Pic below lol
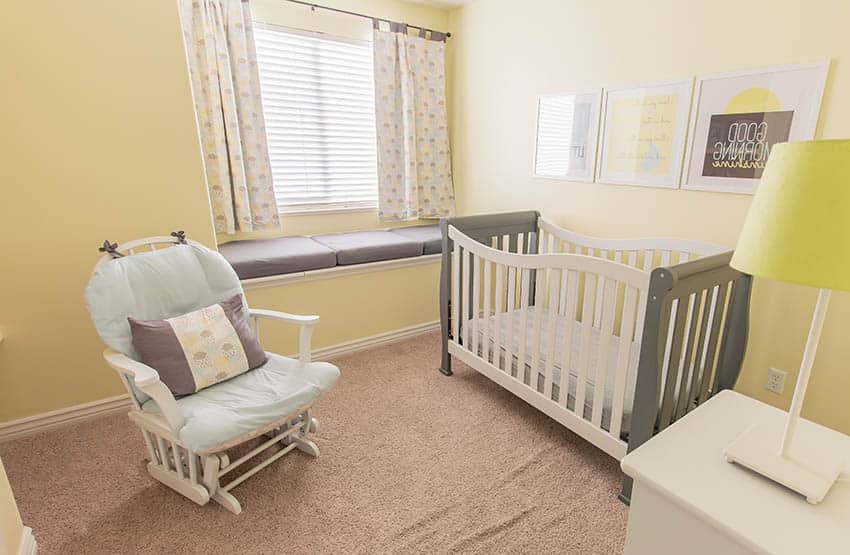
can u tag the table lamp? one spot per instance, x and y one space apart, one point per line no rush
798 230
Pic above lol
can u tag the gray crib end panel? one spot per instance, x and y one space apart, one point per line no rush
648 386
445 297
482 227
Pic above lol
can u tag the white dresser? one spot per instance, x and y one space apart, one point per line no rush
688 500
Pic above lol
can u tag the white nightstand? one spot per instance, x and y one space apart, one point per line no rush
688 499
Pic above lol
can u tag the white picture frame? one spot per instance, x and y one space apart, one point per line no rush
724 102
555 112
644 133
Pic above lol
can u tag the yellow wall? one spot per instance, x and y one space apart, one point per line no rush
505 55
99 141
10 521
352 307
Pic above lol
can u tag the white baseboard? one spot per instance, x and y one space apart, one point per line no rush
62 417
28 543
48 420
372 341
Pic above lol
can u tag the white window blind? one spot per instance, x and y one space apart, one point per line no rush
319 106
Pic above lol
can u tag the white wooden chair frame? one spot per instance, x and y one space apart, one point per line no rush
197 474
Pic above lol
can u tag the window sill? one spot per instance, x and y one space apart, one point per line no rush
339 271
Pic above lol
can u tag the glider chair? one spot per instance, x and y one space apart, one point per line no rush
188 436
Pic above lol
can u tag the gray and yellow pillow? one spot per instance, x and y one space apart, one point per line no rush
201 348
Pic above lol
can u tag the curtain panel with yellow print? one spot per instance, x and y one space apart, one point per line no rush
414 159
226 88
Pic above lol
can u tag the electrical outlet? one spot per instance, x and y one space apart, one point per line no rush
775 380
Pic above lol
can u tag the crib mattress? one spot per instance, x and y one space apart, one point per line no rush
511 334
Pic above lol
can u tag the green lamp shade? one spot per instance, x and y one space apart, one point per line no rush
798 226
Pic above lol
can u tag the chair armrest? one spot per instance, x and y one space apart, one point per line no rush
306 332
299 319
147 379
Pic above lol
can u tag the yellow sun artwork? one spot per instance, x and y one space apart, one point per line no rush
754 99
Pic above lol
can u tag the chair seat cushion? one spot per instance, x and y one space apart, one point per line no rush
283 255
236 410
428 235
360 247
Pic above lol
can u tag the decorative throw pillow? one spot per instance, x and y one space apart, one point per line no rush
201 348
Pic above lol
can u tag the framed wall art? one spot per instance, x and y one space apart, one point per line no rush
567 131
643 134
740 116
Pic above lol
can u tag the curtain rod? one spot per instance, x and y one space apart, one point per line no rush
313 7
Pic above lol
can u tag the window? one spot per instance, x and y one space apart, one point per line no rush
319 106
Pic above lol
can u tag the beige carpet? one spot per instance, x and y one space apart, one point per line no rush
412 461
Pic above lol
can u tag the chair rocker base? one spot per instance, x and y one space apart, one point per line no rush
197 476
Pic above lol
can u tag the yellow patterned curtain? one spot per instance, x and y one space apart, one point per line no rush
226 87
414 159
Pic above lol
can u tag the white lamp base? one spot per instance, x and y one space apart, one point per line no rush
810 472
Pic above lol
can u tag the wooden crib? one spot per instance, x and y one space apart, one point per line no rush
613 338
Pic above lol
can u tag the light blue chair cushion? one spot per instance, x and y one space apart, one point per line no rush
156 285
233 410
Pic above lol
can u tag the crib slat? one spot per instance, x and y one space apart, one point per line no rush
714 341
696 373
464 291
485 332
600 284
455 293
476 302
587 317
711 296
605 333
683 401
623 359
570 308
523 326
539 306
551 332
684 257
667 404
498 317
509 325
648 259
665 258
647 266
707 363
539 298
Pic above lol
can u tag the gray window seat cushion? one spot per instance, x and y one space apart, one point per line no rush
283 255
428 235
360 247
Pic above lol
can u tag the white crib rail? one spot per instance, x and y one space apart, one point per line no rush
645 253
599 295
